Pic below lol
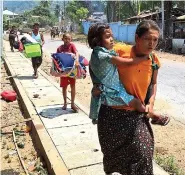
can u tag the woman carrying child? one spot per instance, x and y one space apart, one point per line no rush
124 131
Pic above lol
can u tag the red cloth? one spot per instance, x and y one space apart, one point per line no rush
20 46
65 81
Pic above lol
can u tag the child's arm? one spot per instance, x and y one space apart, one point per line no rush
42 38
121 61
77 58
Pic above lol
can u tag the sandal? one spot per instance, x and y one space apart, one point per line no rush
163 121
94 121
64 107
74 108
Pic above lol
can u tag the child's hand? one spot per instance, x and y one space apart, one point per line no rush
73 55
77 63
96 91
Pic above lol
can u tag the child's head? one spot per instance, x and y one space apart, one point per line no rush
36 27
100 35
66 38
147 35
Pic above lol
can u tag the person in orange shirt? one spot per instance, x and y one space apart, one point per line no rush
125 135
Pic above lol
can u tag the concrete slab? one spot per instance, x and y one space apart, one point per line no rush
13 54
29 82
48 101
78 145
43 92
17 59
89 170
23 70
52 111
19 64
76 133
60 118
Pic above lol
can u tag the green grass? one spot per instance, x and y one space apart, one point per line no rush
169 164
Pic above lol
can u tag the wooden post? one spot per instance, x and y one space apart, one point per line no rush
162 7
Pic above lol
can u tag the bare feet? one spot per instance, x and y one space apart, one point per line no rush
64 107
74 108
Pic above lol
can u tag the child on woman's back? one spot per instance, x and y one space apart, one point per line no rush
104 73
68 47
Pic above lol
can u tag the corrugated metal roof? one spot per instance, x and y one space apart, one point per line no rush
144 15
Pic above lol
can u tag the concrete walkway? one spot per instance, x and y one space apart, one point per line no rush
73 135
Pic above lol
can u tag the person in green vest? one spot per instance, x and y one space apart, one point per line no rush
37 61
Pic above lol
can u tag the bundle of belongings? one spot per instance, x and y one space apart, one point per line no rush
63 65
30 46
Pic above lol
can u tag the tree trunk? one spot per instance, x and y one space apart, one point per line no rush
167 15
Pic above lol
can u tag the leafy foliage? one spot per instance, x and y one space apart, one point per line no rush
75 11
40 14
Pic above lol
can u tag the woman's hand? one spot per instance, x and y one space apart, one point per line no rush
149 109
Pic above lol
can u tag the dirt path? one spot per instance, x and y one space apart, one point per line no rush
10 113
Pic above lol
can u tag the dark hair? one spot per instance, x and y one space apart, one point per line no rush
145 26
65 35
36 24
95 34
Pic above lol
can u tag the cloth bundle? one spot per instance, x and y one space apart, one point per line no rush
63 65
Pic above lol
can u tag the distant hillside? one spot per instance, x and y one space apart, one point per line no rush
19 6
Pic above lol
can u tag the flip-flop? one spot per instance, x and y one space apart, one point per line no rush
64 107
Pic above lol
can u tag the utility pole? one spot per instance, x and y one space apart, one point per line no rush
1 29
162 8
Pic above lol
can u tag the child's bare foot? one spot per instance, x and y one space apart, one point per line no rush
74 108
160 120
64 107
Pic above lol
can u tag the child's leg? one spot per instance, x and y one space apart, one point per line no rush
34 65
36 62
73 93
64 83
64 92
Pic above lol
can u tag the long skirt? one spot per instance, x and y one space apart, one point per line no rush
126 141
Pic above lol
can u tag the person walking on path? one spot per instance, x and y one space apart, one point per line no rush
12 36
68 47
125 135
37 61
